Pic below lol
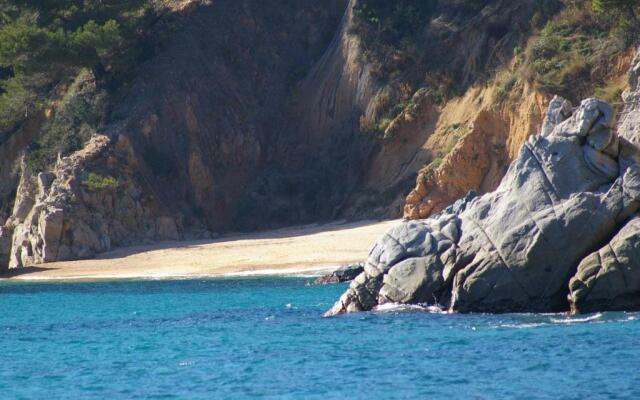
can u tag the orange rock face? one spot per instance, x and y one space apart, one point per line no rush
488 131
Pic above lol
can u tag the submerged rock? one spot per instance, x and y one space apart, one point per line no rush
345 273
515 249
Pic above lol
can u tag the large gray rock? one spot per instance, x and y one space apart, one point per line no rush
412 262
609 279
525 251
516 248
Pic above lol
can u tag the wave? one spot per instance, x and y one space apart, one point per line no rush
297 272
398 307
577 320
541 320
524 325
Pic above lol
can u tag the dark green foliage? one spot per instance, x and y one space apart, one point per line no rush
416 44
46 42
440 46
615 6
51 36
78 118
393 32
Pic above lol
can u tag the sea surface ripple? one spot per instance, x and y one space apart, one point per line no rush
266 338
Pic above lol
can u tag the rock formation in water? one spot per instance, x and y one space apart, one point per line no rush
346 273
526 246
609 278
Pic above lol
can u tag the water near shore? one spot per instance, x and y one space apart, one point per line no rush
252 337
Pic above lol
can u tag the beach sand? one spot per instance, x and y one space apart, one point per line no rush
288 250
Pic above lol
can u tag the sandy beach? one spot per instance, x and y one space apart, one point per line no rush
288 250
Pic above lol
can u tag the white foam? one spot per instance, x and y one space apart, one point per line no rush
524 326
395 307
300 272
308 272
573 320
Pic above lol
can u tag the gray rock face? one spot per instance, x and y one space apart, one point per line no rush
58 216
609 279
516 249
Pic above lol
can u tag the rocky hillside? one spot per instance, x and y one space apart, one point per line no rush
155 120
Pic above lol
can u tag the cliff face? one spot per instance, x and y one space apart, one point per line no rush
207 114
484 134
481 133
183 145
252 116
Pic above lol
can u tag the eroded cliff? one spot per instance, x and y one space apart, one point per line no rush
248 116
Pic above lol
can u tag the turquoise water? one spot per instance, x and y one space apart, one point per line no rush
265 338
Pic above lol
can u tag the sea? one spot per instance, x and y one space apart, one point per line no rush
266 337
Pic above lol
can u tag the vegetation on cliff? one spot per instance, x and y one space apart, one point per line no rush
572 54
561 46
45 45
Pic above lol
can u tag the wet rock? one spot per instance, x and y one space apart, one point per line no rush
346 273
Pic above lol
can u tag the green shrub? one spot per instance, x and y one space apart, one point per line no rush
614 6
436 163
562 57
505 83
384 123
95 182
15 102
611 94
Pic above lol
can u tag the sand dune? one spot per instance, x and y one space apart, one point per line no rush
304 248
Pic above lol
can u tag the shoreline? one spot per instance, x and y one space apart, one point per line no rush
309 250
310 272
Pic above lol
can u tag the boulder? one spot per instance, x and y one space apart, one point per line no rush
609 279
514 249
414 280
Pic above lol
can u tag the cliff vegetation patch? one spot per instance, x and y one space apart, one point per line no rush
96 182
47 46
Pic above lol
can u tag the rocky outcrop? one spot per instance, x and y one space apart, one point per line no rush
346 273
516 248
609 279
89 203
